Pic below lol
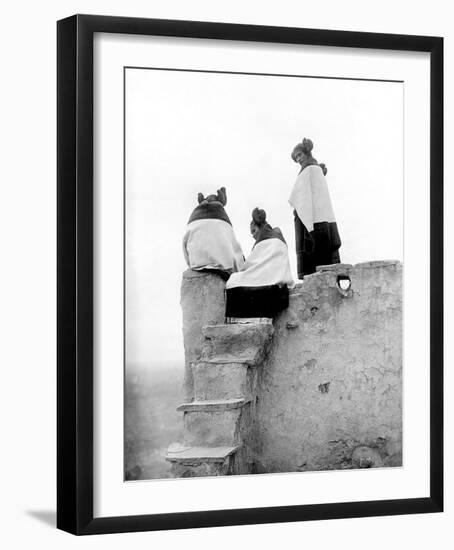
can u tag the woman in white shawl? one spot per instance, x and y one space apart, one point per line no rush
316 234
209 242
260 289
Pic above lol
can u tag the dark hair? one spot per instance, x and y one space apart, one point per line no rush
221 196
324 168
304 147
259 217
307 146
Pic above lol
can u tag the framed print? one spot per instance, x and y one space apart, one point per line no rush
250 276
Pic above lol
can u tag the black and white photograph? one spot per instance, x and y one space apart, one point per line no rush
226 284
263 262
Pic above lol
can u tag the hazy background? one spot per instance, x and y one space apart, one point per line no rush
187 132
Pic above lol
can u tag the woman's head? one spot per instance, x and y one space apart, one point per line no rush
221 196
258 222
302 151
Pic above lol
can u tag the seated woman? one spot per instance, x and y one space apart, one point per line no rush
209 242
261 288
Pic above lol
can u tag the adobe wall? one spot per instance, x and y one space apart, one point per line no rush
202 303
329 390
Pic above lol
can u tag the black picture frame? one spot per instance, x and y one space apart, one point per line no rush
75 273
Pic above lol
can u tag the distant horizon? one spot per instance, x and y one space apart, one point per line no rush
155 365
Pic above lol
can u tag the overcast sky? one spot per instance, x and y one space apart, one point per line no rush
189 132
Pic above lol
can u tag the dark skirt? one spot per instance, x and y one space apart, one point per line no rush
261 301
223 274
318 247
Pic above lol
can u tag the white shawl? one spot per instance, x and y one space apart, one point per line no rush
310 197
211 244
267 264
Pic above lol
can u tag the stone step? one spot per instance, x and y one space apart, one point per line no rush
236 343
218 405
218 381
194 455
202 461
213 427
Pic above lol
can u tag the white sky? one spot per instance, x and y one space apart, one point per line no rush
189 132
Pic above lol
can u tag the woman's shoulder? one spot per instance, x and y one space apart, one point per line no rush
271 235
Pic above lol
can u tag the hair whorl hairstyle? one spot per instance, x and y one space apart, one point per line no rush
304 147
221 196
259 216
307 146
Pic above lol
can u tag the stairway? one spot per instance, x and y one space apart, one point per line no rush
219 421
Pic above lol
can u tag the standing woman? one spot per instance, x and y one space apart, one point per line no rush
260 289
316 234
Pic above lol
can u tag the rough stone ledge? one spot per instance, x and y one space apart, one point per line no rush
213 363
214 405
228 329
236 343
194 455
333 267
195 274
244 360
347 269
378 263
